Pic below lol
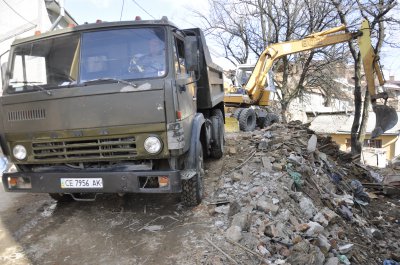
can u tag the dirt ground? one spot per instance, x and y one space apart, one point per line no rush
134 229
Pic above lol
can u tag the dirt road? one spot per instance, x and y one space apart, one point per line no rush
134 229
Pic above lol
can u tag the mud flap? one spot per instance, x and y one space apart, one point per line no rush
188 174
386 118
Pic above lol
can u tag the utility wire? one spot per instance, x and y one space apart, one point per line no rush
141 8
18 13
122 10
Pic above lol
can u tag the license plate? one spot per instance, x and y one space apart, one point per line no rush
81 183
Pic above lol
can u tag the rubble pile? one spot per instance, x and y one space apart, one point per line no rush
288 196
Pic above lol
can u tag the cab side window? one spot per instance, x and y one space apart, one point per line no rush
179 50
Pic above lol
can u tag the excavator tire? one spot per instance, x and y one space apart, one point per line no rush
217 147
247 120
269 119
236 113
192 189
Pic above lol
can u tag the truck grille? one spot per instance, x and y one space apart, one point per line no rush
27 115
85 149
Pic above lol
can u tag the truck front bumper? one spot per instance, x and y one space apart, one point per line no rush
112 182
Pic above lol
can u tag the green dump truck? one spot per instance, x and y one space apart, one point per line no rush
113 107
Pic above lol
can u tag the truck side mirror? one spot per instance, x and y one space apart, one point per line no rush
3 69
3 72
191 53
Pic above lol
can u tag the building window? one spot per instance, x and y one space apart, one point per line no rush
374 143
348 143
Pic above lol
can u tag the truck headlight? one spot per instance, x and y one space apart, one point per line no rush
152 145
19 152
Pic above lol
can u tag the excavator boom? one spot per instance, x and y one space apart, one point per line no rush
386 116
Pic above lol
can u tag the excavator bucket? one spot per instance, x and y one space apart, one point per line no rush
386 116
386 119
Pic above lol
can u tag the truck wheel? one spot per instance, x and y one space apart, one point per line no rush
236 113
247 120
192 189
269 119
218 131
61 197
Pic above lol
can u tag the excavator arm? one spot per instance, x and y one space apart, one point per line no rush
257 81
255 86
386 116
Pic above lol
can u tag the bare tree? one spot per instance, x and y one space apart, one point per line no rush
228 25
376 12
246 28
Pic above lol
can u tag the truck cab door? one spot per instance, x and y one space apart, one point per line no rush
186 88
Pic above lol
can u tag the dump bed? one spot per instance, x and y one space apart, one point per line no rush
210 90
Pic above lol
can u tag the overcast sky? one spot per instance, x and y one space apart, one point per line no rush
178 11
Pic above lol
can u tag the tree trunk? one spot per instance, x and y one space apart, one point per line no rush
355 144
284 111
364 119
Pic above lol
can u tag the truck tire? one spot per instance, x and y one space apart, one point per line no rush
270 119
218 132
236 113
61 197
192 189
247 120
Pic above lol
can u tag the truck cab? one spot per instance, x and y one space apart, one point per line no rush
114 107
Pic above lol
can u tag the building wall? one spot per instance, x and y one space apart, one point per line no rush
388 144
22 20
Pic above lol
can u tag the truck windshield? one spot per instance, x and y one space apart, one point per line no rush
123 54
43 64
119 54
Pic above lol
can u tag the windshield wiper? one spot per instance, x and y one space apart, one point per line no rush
33 84
110 79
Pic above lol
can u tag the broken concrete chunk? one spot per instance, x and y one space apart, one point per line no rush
312 144
318 257
242 220
297 239
320 218
315 229
330 215
268 134
219 224
245 171
234 208
323 244
263 144
275 200
234 233
346 248
267 207
266 163
224 209
277 166
302 227
263 250
232 151
237 176
307 207
303 247
312 257
332 261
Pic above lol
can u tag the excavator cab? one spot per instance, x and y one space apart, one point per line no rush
386 116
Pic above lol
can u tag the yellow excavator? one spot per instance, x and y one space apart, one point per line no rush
254 92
